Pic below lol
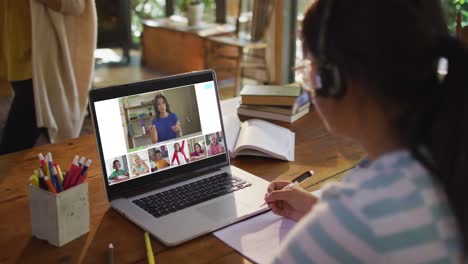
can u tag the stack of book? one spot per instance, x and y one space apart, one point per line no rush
277 102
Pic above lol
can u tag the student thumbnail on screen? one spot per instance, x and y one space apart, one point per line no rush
159 158
117 169
139 164
197 148
215 143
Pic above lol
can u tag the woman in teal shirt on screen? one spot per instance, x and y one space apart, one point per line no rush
375 70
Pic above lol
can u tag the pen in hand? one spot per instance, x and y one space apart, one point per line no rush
295 182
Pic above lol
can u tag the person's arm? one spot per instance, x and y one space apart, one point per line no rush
210 150
153 134
185 157
197 157
177 129
67 7
293 203
182 150
125 173
146 167
113 175
336 231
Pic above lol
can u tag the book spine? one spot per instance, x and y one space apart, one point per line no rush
268 100
267 115
272 116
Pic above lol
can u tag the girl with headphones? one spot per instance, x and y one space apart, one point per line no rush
388 75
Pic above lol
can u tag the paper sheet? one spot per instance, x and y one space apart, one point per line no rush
231 121
231 128
259 237
229 106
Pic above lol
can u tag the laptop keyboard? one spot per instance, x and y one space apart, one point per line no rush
184 196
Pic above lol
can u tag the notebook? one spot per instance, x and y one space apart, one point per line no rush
164 158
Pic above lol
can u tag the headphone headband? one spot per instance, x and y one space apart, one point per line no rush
323 31
330 82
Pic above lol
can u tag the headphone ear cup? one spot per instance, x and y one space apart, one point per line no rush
331 82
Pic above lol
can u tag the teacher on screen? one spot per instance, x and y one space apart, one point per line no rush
165 124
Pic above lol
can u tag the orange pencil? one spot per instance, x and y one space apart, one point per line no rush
49 184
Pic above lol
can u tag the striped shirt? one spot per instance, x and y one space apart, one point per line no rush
389 212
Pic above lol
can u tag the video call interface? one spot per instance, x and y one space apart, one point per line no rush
148 133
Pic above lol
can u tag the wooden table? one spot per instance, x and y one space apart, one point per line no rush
170 46
315 149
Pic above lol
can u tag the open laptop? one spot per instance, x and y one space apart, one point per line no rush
174 195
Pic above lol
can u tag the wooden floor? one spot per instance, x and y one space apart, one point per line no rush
107 74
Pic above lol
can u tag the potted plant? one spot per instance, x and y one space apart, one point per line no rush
195 10
452 8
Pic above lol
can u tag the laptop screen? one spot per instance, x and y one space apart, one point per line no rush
158 130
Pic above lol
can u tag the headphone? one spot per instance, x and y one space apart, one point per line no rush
330 81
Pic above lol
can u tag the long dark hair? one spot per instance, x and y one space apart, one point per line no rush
176 144
395 46
155 105
196 144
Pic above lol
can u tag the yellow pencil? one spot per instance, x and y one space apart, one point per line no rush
149 250
34 180
47 169
60 174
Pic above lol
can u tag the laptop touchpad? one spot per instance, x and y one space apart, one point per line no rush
223 209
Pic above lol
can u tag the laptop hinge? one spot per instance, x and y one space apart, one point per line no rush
164 183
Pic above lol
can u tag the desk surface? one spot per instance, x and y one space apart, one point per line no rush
316 149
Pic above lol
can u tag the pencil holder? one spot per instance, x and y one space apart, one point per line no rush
59 218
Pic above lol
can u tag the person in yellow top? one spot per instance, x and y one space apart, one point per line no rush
46 53
15 66
158 159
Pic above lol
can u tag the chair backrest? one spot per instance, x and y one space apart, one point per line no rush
261 17
259 21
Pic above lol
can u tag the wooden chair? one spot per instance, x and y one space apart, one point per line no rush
243 50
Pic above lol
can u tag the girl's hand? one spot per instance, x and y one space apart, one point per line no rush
293 203
153 134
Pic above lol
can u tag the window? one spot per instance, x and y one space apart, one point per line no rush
302 6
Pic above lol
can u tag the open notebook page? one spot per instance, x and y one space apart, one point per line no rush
263 135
